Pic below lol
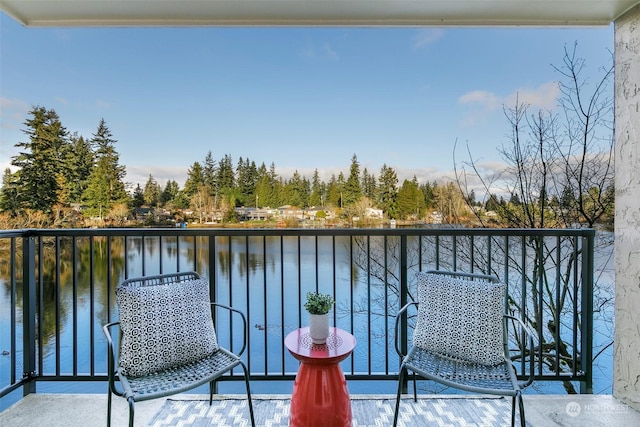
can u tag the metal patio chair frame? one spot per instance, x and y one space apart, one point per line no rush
462 374
176 379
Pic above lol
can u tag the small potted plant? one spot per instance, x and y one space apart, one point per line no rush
318 305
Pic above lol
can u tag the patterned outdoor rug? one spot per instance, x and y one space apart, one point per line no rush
375 412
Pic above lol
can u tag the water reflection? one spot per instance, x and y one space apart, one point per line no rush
266 277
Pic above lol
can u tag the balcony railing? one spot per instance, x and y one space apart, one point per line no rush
58 290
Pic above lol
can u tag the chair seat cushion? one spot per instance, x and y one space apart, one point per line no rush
470 376
180 378
164 326
461 318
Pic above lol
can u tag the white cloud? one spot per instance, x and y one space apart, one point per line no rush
139 174
489 177
482 98
544 96
482 102
483 106
427 37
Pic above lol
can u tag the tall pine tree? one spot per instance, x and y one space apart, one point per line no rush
80 161
170 192
226 175
195 180
106 185
317 190
388 191
209 171
9 192
368 184
41 166
352 190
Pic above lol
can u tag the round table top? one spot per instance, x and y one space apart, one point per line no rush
339 345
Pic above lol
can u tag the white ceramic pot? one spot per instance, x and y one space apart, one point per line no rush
319 328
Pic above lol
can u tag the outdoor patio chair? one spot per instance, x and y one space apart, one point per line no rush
461 338
167 340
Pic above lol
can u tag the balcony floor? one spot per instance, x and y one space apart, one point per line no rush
71 410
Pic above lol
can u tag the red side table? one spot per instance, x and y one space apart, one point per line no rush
320 397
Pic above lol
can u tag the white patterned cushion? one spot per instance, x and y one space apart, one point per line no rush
461 318
164 326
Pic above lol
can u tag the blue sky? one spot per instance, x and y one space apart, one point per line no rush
302 98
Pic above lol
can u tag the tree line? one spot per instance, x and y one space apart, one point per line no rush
62 178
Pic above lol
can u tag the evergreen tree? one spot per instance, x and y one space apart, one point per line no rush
388 191
41 161
352 190
279 192
169 193
195 180
106 187
276 186
333 192
317 190
341 183
180 201
80 160
428 190
368 184
247 178
273 176
151 192
138 197
9 193
209 170
63 192
305 191
264 187
410 200
225 177
297 190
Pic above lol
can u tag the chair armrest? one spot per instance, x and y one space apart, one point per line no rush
111 357
110 347
531 335
395 333
244 324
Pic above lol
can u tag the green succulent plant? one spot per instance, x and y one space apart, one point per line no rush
318 303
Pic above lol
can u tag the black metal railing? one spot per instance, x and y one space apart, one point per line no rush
58 290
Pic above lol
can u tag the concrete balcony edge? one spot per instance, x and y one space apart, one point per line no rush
71 410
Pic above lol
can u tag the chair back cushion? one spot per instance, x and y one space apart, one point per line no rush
461 318
164 326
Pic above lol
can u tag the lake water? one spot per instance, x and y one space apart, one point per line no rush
269 288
